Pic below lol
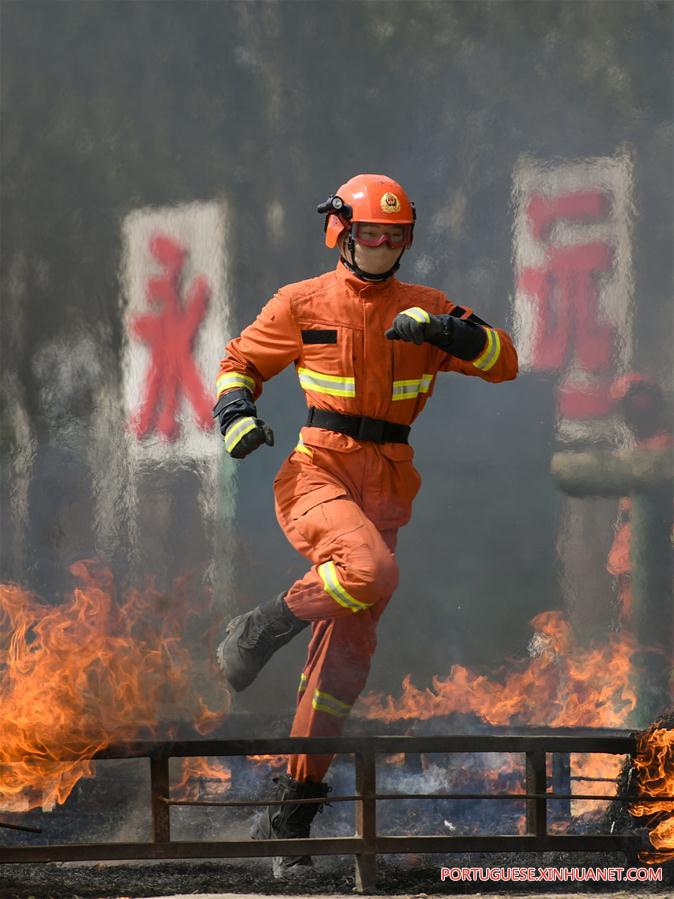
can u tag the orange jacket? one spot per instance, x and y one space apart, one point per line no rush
332 329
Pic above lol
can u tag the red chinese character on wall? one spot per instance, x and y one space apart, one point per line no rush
568 330
170 335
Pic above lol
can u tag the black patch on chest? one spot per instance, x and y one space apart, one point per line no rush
315 336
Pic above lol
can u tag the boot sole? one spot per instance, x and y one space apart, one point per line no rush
303 867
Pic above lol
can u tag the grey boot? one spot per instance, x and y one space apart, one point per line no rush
281 822
252 639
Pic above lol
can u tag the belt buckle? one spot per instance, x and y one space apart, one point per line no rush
371 429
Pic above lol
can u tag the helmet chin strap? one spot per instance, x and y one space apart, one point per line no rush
358 272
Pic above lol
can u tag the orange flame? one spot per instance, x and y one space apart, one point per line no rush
562 684
202 779
654 765
79 676
274 761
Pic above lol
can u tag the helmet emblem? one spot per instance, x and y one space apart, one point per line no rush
390 203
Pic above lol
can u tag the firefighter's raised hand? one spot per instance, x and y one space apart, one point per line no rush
415 325
245 434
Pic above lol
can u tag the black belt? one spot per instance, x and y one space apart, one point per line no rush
359 426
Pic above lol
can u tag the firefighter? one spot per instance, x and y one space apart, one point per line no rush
367 349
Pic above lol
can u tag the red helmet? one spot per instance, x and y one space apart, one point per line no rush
367 198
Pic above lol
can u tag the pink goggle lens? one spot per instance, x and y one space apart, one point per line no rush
396 236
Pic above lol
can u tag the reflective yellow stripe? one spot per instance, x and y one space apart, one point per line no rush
408 390
417 313
228 380
303 683
331 700
302 448
334 589
239 429
491 352
332 385
325 702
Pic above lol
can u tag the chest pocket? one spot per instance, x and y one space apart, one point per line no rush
326 363
413 372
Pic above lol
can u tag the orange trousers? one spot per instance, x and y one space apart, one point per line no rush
323 510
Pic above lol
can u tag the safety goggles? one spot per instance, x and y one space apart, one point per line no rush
369 235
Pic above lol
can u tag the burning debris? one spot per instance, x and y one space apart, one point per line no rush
654 765
650 772
561 684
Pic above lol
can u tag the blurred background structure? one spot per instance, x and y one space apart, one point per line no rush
167 157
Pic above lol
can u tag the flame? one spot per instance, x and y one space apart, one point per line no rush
202 779
396 758
81 675
654 766
274 761
562 684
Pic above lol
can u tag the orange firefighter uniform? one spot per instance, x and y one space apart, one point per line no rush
340 500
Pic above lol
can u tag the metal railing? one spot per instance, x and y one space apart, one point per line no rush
366 844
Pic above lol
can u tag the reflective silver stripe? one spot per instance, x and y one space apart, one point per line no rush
302 448
325 702
303 683
332 385
489 356
334 589
417 313
239 429
228 380
406 390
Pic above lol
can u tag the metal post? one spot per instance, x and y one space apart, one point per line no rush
161 811
651 559
366 821
561 783
536 782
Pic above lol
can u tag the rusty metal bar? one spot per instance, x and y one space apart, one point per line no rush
536 784
245 803
609 745
602 780
367 844
366 821
314 846
23 827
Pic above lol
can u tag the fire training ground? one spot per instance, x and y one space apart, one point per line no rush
367 349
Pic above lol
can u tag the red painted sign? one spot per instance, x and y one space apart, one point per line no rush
170 334
570 284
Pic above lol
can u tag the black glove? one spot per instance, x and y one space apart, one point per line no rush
464 339
245 434
242 430
415 325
